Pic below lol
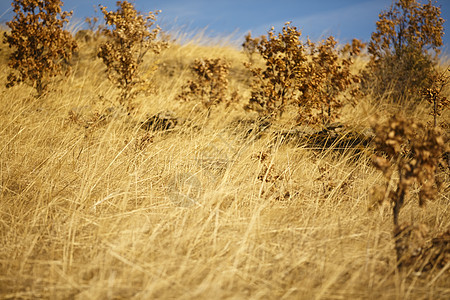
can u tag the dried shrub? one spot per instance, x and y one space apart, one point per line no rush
329 77
412 152
42 48
278 84
210 85
250 46
434 94
92 33
402 48
130 38
309 76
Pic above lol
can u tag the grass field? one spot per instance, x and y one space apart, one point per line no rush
95 207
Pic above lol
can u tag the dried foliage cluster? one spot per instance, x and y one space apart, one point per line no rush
408 153
277 85
42 49
309 76
412 152
402 48
250 46
210 85
130 37
434 95
328 79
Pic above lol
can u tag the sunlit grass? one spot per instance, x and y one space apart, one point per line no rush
88 208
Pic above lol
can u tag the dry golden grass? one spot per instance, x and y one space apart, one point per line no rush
91 213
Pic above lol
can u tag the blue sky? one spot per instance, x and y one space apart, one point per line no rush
345 19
